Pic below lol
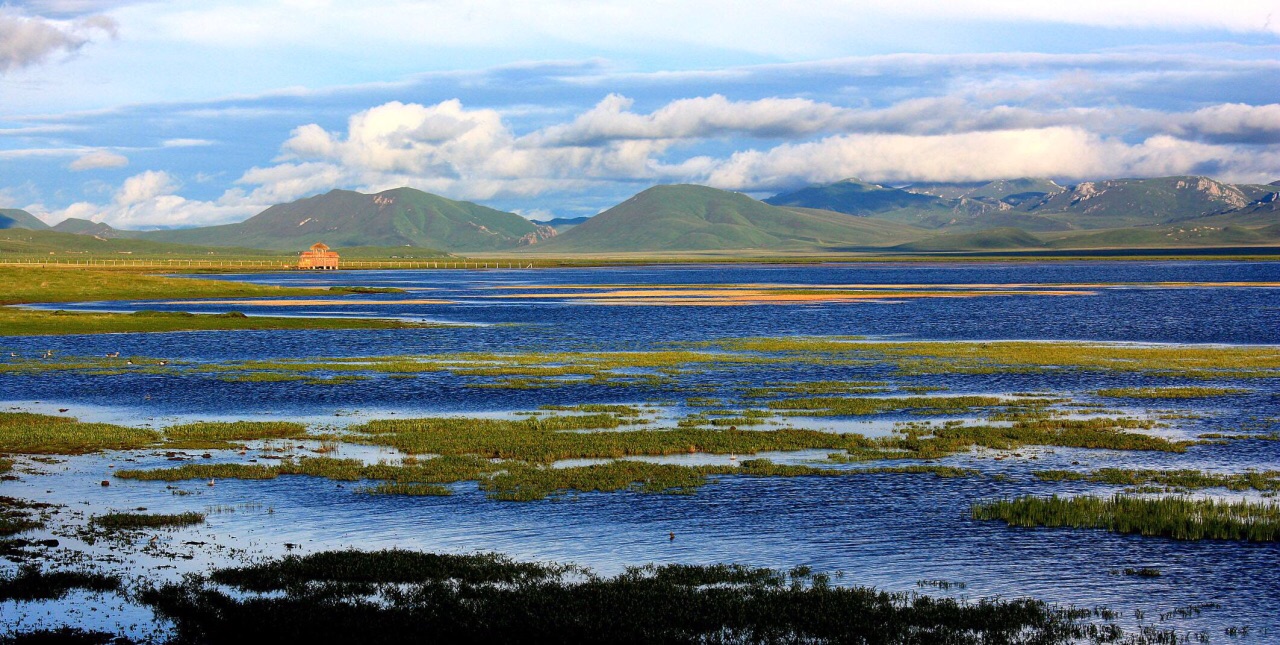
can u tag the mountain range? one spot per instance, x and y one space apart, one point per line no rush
1024 213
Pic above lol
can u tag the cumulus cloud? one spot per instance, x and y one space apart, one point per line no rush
185 143
30 40
475 154
98 159
149 199
1058 152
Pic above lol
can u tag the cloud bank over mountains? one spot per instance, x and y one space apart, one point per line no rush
1192 91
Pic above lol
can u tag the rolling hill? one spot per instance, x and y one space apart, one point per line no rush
15 218
988 240
697 218
392 218
48 243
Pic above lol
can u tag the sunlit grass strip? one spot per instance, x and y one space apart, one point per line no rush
1187 479
1180 518
945 357
412 490
28 433
838 406
218 433
130 521
1168 392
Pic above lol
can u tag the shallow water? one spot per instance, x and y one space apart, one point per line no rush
887 530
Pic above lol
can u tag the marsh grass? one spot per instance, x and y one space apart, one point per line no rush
30 583
1180 518
412 490
1177 479
18 515
134 521
1169 392
990 357
220 434
337 596
855 406
28 433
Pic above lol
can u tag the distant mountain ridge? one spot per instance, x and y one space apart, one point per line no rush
687 217
397 217
1020 213
1040 204
17 218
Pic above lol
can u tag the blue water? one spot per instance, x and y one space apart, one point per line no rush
882 530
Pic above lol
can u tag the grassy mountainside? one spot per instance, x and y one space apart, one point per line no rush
1119 203
16 218
53 244
989 240
87 227
697 218
1040 205
856 197
1009 191
343 218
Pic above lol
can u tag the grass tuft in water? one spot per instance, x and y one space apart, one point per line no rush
131 521
1180 518
30 583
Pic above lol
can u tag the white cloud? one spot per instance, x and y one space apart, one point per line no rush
185 143
149 199
475 154
1058 152
98 159
29 40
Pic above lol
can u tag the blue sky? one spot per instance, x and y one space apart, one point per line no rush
162 114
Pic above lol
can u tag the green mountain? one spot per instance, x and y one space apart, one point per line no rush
1009 191
397 217
15 218
74 246
1131 202
855 197
697 218
562 224
88 227
988 240
1040 205
967 206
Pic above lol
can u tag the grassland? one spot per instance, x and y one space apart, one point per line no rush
52 285
1180 518
26 433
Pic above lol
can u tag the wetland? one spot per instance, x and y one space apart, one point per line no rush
723 453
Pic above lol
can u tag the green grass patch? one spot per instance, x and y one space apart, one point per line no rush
1180 518
1169 392
132 521
215 434
27 433
412 490
1178 479
856 406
